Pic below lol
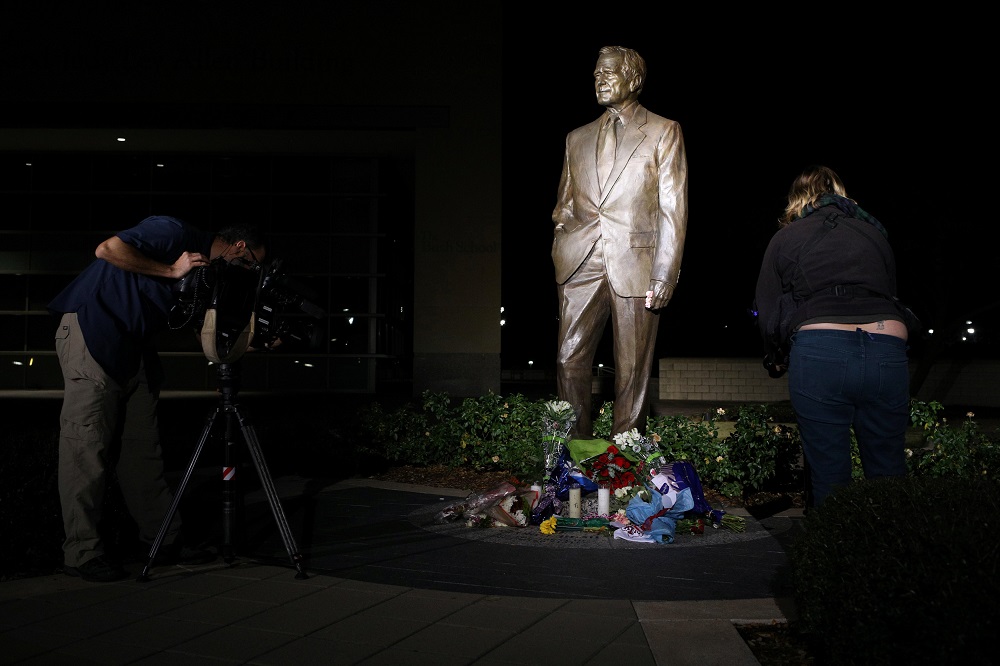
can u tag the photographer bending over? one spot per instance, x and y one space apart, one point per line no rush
110 315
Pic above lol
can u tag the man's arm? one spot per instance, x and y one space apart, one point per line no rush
673 218
118 253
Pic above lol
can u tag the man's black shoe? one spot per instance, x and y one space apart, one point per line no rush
176 554
98 570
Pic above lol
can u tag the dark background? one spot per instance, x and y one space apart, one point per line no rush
901 106
898 109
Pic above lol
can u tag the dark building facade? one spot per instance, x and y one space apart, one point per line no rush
365 142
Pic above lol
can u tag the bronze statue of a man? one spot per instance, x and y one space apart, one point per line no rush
620 222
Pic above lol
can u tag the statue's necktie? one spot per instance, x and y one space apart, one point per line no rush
607 144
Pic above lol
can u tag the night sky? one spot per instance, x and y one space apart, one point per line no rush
901 106
901 117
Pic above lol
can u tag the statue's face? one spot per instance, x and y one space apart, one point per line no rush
611 87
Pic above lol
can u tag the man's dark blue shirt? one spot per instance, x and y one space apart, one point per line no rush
120 312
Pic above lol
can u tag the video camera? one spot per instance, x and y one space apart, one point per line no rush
235 309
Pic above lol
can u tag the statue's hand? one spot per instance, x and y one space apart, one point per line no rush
658 295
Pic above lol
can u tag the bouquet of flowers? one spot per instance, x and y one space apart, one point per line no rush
645 449
612 469
557 420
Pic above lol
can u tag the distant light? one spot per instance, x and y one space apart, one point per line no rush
530 363
121 139
160 165
501 309
970 331
503 321
968 322
18 363
350 320
930 331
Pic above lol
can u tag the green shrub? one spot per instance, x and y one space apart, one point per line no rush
947 450
490 432
902 570
501 434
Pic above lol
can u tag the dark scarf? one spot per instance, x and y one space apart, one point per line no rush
847 207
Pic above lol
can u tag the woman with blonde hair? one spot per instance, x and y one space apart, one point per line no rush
827 311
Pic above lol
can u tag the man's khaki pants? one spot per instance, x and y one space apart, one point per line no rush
95 411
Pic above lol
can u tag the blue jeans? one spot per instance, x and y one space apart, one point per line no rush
843 379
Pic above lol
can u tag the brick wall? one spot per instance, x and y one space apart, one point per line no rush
953 383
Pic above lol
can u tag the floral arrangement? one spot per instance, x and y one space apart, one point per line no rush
645 448
510 512
612 469
558 417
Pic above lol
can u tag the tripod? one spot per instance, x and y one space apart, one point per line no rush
228 381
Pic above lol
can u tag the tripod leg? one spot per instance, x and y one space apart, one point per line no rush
230 495
177 499
250 435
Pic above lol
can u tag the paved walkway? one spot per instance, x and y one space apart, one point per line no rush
386 584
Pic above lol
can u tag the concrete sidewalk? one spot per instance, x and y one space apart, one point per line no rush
256 610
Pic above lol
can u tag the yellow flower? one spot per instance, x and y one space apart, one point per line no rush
720 411
970 415
656 438
718 459
548 526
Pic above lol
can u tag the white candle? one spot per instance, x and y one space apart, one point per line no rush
538 495
574 501
604 501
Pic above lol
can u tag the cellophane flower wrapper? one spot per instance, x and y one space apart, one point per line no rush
656 521
510 511
475 503
566 474
558 419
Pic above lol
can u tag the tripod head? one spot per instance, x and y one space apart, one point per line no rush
229 381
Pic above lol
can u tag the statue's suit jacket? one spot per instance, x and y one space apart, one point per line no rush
641 213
